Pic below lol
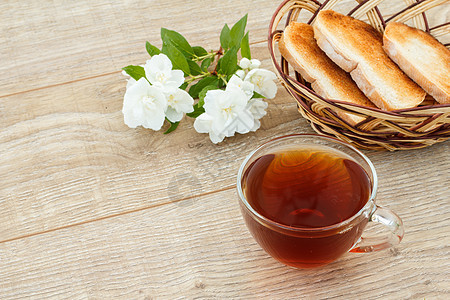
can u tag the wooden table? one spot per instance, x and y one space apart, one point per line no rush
91 209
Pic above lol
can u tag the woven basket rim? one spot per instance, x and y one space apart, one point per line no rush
378 110
408 128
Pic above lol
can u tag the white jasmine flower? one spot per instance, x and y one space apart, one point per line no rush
263 81
240 73
130 80
228 109
236 82
258 109
249 64
244 63
158 71
144 105
254 64
179 102
203 124
225 114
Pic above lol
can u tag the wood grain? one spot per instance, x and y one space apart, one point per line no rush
82 151
91 209
79 149
202 249
48 42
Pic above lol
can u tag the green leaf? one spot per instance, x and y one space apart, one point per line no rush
202 94
199 51
256 95
228 62
195 68
178 41
184 85
245 47
177 58
206 63
152 50
136 72
173 126
237 32
195 89
221 84
225 38
198 110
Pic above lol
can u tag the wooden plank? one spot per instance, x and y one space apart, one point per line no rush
48 42
202 249
67 157
92 209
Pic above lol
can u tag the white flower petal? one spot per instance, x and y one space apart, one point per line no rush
134 93
233 96
154 120
130 121
254 63
176 78
263 81
244 122
216 138
237 82
244 63
211 106
130 82
202 123
229 111
144 105
240 74
173 115
179 100
270 90
158 71
256 125
257 107
160 62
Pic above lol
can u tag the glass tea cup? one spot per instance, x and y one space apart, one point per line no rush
291 203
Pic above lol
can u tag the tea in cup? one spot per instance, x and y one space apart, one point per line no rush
306 200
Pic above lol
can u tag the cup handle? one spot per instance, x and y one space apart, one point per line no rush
389 219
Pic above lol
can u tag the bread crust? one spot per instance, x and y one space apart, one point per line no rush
421 57
358 48
299 47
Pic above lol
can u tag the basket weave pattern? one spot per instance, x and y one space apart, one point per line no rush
402 129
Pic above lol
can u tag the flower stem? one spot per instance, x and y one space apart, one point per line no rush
219 53
200 58
193 78
223 78
215 55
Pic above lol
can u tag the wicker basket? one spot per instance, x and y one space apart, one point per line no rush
402 129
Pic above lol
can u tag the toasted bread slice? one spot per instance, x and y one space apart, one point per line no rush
358 48
300 49
421 57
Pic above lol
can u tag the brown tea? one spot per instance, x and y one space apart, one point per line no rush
305 188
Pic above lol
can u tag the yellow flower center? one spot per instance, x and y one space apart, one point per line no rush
258 80
148 102
171 100
228 111
161 77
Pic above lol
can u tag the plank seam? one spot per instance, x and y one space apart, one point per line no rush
117 214
77 80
